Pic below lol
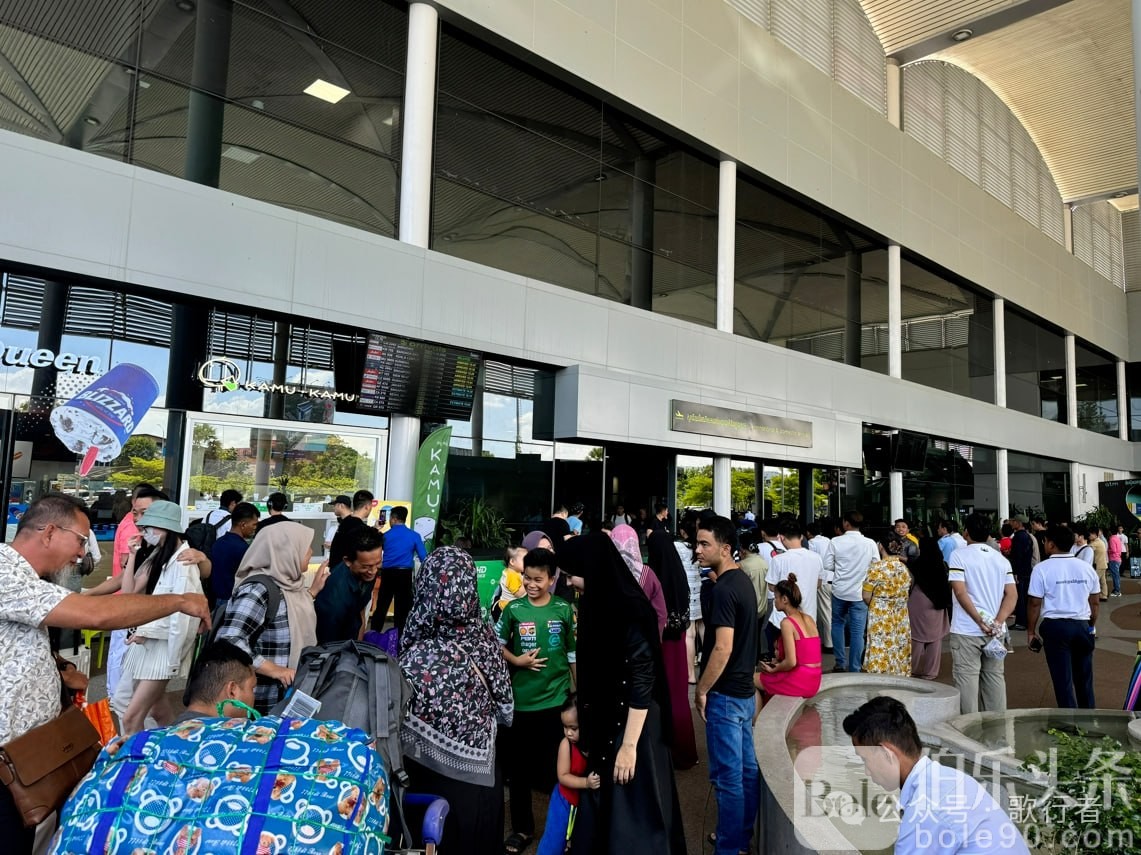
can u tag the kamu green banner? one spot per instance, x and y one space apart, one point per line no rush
431 466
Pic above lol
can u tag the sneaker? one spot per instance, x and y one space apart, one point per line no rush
1116 594
1019 627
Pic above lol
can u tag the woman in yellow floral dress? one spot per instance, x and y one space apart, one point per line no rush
889 629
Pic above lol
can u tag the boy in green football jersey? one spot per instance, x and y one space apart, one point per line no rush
538 638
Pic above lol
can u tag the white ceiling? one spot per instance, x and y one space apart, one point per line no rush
1065 69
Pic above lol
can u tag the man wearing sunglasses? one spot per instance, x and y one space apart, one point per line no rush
52 535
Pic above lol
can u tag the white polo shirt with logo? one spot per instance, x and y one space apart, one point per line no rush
1064 584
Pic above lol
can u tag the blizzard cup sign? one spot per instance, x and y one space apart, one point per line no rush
224 375
99 420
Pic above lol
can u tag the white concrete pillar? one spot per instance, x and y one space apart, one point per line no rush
1071 381
999 319
726 244
894 313
722 481
894 92
1068 227
1002 471
1122 402
417 124
895 483
1078 492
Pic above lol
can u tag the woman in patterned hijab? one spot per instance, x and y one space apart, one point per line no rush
461 693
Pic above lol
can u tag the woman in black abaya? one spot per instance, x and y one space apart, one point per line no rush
623 710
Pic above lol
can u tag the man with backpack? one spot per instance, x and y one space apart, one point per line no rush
220 517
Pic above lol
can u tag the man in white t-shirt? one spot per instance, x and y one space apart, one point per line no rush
984 597
220 516
1065 593
819 536
1081 548
796 559
848 559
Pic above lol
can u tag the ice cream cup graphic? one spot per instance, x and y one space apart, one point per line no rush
99 420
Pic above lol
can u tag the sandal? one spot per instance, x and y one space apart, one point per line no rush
517 842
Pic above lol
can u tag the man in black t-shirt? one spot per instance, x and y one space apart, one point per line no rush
724 695
350 527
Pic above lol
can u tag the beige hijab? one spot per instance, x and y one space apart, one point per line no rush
278 551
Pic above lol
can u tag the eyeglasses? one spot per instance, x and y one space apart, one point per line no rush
82 539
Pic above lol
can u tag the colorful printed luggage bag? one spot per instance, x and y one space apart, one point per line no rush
233 786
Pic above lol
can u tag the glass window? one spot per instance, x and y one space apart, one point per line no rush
1096 382
542 180
801 278
1035 367
942 479
259 457
130 66
948 334
1039 485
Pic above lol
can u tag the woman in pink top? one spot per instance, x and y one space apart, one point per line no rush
796 671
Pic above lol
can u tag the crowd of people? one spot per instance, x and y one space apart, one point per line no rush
580 684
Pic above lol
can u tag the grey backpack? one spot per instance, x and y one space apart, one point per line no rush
361 685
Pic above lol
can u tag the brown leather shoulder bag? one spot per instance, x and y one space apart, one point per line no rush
42 767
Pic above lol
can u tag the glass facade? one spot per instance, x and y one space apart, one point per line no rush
1096 382
1035 367
807 282
1039 485
542 180
136 74
942 479
948 334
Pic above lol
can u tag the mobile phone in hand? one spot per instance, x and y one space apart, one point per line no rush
1035 644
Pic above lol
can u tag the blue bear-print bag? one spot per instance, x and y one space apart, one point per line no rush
230 786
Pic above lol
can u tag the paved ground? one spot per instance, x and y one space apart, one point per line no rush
1027 680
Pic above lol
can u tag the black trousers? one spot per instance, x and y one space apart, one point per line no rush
530 748
1069 655
395 585
18 840
1022 584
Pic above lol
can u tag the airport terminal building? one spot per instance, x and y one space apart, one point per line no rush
606 235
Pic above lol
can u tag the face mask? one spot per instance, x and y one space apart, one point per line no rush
151 536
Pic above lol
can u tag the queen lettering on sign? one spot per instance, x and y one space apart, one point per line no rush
99 420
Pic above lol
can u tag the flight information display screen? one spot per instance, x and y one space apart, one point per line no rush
414 378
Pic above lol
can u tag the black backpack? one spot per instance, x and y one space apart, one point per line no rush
217 618
201 535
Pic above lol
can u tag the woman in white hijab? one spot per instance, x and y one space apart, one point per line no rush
279 556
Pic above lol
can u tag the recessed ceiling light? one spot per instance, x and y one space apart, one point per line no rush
185 5
326 91
962 35
91 120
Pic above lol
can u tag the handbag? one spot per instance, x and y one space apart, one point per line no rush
42 767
